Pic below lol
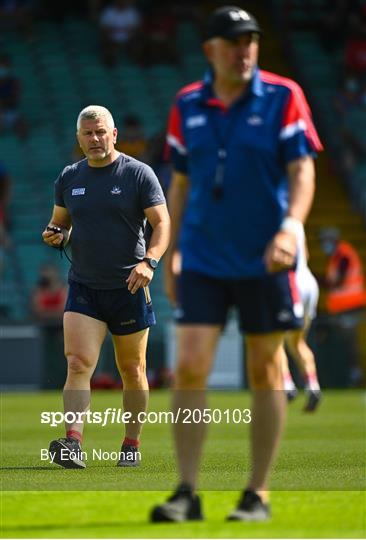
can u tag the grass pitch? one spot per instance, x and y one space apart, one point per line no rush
317 484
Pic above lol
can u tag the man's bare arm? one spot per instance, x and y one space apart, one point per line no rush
177 198
159 220
281 251
302 187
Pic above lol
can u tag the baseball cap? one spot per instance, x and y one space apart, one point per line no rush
229 22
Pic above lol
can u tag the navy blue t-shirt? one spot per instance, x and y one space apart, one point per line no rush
106 205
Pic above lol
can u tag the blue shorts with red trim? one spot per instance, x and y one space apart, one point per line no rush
266 304
123 312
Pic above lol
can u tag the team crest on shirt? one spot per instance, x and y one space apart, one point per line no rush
255 120
116 190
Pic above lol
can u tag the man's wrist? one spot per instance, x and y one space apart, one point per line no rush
152 262
292 225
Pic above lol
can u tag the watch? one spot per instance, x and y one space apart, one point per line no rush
153 263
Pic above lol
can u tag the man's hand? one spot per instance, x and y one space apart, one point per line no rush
280 253
140 276
52 239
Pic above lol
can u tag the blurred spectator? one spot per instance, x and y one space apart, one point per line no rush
333 24
59 11
354 135
10 116
346 294
158 37
49 296
131 140
18 14
119 24
48 302
157 157
355 54
350 106
5 184
5 188
348 98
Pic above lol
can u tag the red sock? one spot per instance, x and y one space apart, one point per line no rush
312 381
131 442
72 434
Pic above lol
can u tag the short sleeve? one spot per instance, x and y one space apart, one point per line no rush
58 191
151 192
175 140
298 135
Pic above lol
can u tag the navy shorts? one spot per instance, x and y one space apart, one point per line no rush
123 312
266 304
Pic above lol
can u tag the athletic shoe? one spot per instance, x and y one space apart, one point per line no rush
181 506
291 394
313 400
250 508
67 453
129 456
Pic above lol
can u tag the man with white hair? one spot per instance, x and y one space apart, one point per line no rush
106 199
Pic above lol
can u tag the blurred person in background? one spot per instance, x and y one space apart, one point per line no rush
48 299
5 190
345 295
157 44
19 14
119 23
242 144
11 118
132 140
49 296
295 340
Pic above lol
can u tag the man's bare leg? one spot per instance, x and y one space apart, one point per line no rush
83 337
130 354
196 346
264 360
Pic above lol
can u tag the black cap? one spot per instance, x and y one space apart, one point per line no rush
229 22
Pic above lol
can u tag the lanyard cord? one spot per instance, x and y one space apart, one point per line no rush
63 251
222 143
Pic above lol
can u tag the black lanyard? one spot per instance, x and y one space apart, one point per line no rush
222 140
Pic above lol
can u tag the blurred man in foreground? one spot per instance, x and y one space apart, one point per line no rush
242 143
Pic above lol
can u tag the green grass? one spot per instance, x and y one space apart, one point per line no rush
317 484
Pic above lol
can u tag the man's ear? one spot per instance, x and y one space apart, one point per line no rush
115 133
207 49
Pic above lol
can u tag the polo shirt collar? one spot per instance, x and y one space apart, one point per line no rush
255 87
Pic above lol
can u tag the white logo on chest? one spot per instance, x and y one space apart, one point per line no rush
196 121
78 191
255 120
116 190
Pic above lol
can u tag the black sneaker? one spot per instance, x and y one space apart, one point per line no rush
291 394
250 508
67 453
181 506
129 456
313 400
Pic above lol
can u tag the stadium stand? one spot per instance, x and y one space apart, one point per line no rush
61 72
